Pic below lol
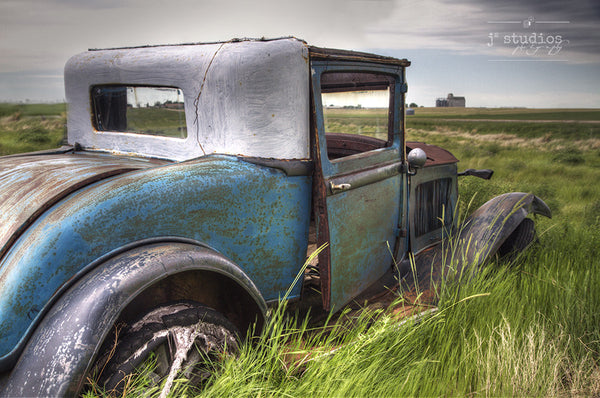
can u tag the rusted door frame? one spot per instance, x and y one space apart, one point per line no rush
378 171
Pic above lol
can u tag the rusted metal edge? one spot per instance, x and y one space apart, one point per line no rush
152 159
55 199
292 168
234 40
346 55
319 199
344 144
435 154
56 151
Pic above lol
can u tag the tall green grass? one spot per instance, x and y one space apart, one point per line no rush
530 329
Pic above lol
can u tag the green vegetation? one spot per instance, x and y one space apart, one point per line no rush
526 330
574 124
529 328
574 131
7 109
367 121
157 121
26 128
508 114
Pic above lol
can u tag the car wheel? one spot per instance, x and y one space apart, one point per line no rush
184 338
519 240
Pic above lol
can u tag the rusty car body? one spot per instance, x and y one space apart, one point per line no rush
209 173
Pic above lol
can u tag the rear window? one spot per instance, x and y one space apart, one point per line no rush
147 110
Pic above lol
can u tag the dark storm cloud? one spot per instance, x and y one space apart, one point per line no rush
464 26
578 21
576 9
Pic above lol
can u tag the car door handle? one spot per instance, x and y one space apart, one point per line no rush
335 188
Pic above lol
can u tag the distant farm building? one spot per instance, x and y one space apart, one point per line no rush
450 101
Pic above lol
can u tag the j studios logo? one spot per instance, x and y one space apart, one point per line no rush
529 43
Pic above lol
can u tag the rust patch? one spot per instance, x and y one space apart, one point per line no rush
345 55
33 184
319 199
435 154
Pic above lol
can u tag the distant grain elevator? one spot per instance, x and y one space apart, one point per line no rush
450 101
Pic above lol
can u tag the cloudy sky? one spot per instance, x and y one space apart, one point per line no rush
495 53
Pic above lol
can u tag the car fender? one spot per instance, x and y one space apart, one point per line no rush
482 234
62 349
474 242
256 216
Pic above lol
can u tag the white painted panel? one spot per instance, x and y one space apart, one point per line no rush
254 101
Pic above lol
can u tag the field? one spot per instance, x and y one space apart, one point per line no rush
25 128
526 328
157 121
574 124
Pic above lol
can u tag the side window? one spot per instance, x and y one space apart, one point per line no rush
144 110
357 111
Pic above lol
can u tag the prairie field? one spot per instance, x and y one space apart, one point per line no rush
528 327
30 127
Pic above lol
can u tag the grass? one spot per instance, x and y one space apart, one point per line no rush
157 121
522 129
528 328
507 114
373 122
26 128
8 109
574 124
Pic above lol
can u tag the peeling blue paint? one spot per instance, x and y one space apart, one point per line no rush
212 200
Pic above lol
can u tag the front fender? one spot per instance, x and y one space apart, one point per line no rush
476 240
482 234
62 349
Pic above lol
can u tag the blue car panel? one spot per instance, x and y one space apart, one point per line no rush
258 217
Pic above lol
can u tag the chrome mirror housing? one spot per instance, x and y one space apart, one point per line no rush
416 159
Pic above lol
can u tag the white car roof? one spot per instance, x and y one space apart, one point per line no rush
243 97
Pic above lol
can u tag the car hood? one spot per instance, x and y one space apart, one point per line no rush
32 183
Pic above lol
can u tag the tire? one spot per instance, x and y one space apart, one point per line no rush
519 240
201 335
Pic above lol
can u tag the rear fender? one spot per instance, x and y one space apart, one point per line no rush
256 216
62 349
482 234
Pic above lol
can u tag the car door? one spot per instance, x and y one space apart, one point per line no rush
360 150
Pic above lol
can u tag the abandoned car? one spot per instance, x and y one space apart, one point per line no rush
195 182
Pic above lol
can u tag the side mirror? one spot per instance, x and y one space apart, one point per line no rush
416 159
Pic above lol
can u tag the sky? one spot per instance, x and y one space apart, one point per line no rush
516 53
